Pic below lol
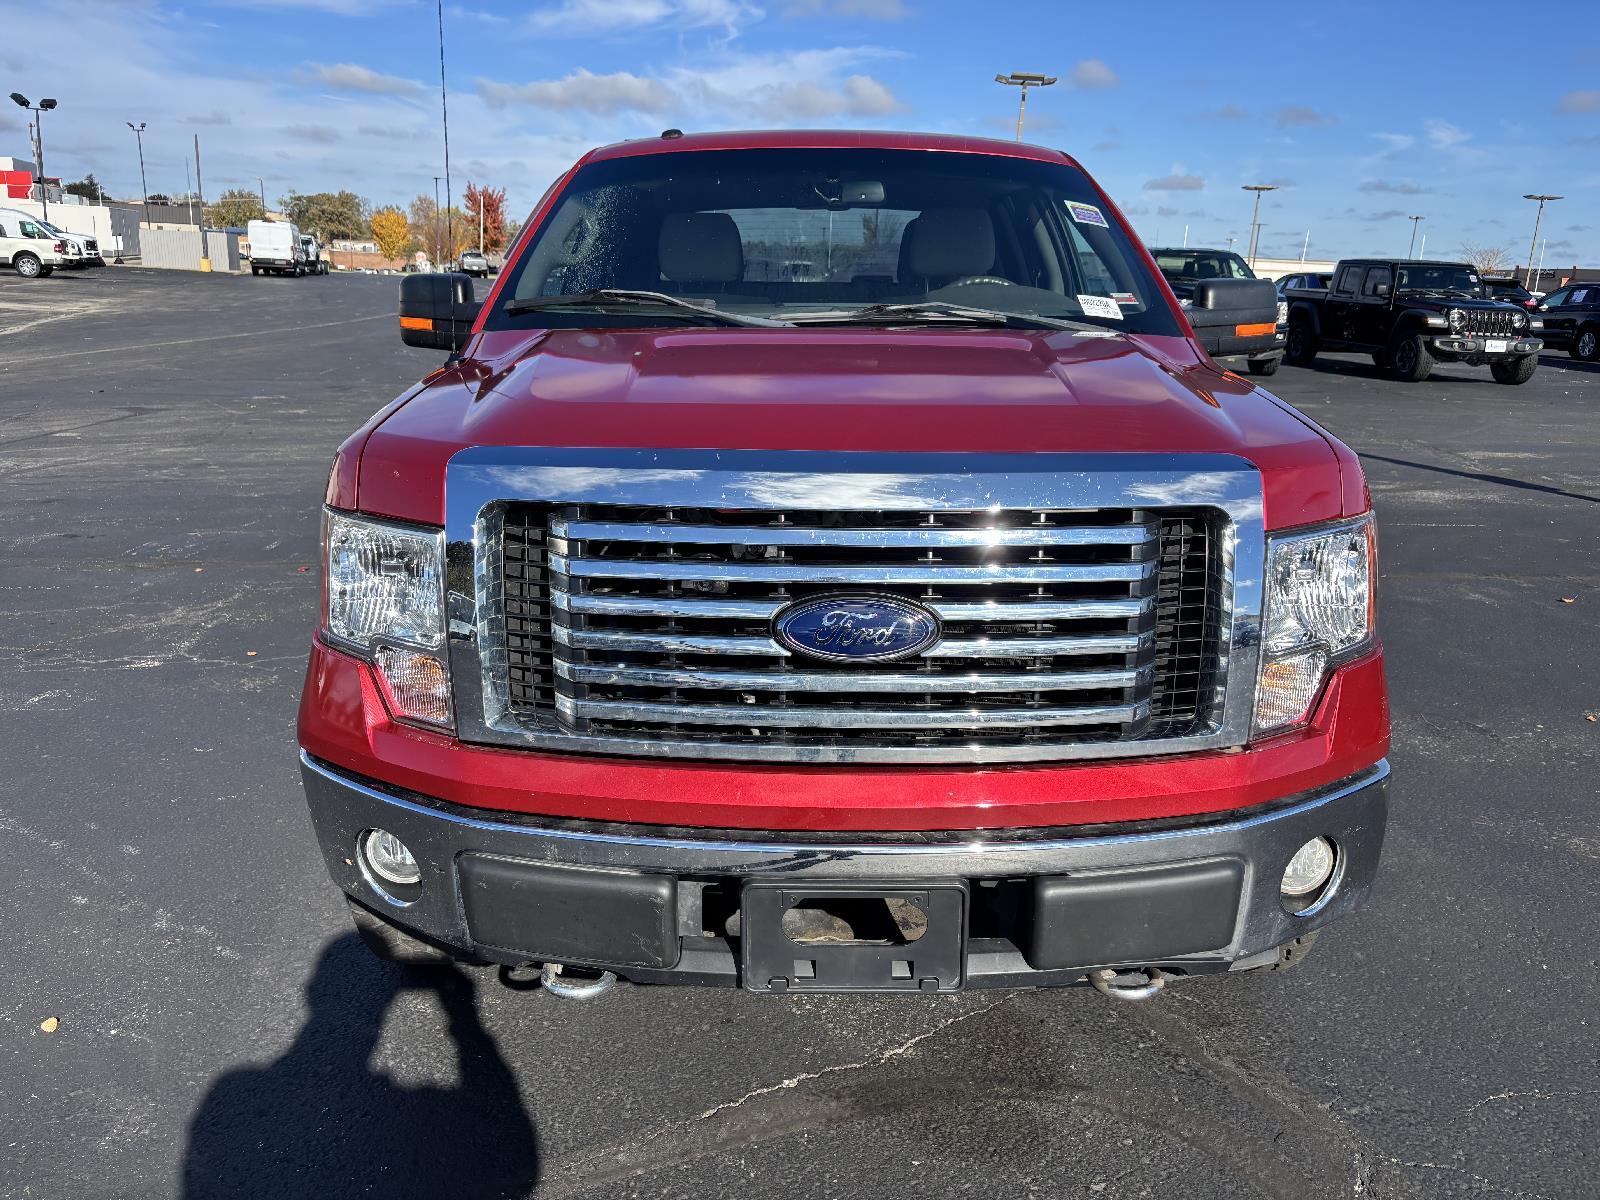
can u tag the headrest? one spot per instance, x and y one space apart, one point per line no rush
950 242
700 248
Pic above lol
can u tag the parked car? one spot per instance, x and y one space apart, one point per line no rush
1504 287
1254 334
1571 316
78 250
474 264
959 626
276 248
1409 314
1305 279
28 248
315 263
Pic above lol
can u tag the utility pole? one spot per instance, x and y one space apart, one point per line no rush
1415 221
1024 80
144 187
188 189
263 189
200 187
1255 216
1534 245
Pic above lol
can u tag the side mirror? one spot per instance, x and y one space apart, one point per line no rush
437 311
1382 289
1233 302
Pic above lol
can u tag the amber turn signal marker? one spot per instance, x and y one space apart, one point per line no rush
1253 330
416 323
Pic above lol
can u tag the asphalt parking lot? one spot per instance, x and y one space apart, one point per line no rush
164 439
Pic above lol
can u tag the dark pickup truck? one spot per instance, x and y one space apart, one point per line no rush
1409 315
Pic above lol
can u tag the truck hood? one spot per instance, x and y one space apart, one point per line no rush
978 391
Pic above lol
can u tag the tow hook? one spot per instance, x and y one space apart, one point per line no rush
575 988
1123 984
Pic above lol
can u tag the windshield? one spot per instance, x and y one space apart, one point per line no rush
819 234
1192 265
1439 277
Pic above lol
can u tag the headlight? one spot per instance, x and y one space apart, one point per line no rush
385 602
1318 610
1518 320
1457 318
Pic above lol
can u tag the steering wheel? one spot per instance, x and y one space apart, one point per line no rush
969 279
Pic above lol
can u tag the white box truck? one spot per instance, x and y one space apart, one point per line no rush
275 248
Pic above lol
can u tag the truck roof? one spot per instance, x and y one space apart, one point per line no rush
803 139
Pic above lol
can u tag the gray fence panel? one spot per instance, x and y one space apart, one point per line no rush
125 226
174 249
222 248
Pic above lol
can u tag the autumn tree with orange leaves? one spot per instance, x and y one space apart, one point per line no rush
489 205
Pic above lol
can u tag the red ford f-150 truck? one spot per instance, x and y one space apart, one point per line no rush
937 617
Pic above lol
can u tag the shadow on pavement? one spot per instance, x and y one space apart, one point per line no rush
320 1121
1484 477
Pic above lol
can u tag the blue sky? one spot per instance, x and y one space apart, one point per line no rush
1363 113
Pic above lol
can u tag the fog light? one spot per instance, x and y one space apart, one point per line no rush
389 858
1309 869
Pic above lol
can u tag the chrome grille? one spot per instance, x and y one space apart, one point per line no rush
1060 627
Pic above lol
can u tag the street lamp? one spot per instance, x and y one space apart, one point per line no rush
1024 80
1414 222
138 133
1255 222
38 110
1533 245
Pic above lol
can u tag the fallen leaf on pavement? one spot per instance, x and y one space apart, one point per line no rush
1569 599
49 1024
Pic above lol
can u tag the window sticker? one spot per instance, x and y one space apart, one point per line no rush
1125 297
1086 214
1100 306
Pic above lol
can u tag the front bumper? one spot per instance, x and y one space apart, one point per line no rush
1470 346
1037 907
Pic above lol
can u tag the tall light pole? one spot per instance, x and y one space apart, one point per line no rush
1534 245
262 188
444 114
38 110
1415 221
1255 216
1024 80
138 133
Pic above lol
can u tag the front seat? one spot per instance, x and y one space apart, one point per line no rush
700 252
946 244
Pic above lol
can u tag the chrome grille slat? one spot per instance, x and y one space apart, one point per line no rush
825 718
694 607
840 682
724 572
874 539
688 643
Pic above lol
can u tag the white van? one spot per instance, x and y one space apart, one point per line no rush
275 248
29 248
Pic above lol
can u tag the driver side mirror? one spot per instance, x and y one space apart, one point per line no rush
437 311
1381 289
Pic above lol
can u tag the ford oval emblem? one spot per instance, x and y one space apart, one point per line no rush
856 628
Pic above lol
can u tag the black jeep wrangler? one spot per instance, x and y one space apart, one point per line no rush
1409 315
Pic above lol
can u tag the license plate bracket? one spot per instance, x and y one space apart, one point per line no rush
800 937
1495 346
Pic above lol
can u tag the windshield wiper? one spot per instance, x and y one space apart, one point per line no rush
936 310
601 299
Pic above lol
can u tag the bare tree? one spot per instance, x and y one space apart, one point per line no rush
1489 260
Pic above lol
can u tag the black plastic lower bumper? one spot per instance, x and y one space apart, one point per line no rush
1036 907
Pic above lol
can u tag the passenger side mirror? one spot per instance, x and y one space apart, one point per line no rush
437 311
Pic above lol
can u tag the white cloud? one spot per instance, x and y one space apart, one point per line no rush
782 88
322 135
1395 143
1093 75
1178 181
590 18
349 77
1443 135
582 91
341 8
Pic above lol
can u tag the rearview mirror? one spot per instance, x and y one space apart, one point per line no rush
437 311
